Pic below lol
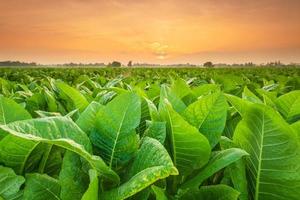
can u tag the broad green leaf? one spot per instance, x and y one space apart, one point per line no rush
87 118
250 96
208 114
180 88
159 193
11 111
92 191
296 127
239 104
151 164
115 129
72 178
218 161
205 89
177 104
10 183
190 149
145 115
274 162
237 171
156 130
289 106
41 187
60 131
73 94
212 192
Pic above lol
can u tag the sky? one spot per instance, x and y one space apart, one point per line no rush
152 31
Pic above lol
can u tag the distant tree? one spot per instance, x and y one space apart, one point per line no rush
114 64
208 64
129 64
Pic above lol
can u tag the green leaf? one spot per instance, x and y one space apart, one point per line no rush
218 161
74 95
205 89
208 114
274 162
92 191
72 178
189 148
11 111
212 192
87 118
10 183
115 129
250 96
237 171
159 193
156 130
177 104
240 105
151 164
289 106
41 187
60 131
15 151
180 88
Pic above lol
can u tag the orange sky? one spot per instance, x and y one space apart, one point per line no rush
155 31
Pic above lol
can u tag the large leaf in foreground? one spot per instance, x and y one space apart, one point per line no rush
115 129
274 162
289 106
189 148
60 131
10 183
208 114
151 164
41 187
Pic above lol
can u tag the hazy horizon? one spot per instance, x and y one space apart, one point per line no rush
161 32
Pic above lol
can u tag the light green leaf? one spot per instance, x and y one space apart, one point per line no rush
208 114
180 88
74 95
11 111
115 129
159 193
10 183
218 161
72 178
240 105
151 164
237 171
274 162
60 131
212 192
189 148
41 187
177 104
156 130
92 191
87 118
250 96
289 106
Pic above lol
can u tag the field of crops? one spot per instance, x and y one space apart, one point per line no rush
113 134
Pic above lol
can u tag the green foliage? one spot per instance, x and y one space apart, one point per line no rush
142 134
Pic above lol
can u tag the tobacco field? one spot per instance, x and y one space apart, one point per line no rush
139 134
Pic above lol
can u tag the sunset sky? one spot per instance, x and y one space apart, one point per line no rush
153 31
